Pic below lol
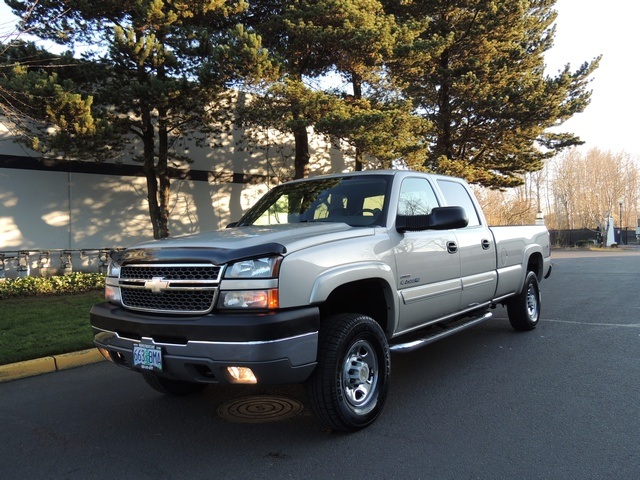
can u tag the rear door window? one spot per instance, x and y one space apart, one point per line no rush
457 195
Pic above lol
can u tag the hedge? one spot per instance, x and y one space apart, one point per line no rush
60 285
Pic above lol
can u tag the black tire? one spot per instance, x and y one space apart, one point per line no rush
524 309
178 388
348 388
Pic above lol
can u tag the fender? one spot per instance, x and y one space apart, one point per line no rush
334 277
511 277
529 251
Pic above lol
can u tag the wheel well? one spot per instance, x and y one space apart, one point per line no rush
369 297
535 264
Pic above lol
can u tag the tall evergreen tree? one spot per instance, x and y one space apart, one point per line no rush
370 116
350 40
162 64
35 94
283 26
475 69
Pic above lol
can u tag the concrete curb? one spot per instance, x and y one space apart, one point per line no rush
54 363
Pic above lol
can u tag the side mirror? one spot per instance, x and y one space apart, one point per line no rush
445 218
440 218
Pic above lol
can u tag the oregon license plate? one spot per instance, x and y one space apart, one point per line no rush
147 357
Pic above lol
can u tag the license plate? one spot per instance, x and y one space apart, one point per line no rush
147 357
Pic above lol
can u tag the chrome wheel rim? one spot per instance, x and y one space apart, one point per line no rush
360 377
532 303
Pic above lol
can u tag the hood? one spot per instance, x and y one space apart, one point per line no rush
223 246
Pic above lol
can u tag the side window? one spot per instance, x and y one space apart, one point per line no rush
456 195
416 197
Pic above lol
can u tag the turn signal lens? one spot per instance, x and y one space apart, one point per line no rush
274 300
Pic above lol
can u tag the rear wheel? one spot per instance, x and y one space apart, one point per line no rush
524 309
168 386
348 388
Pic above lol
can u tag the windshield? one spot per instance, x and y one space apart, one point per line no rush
356 200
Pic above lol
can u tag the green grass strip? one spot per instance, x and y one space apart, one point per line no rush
38 326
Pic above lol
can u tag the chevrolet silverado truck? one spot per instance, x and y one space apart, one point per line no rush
318 283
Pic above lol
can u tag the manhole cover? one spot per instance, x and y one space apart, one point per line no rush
259 409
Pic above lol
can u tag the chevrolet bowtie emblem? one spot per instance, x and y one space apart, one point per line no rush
156 284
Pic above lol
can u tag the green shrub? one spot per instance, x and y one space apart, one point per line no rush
66 284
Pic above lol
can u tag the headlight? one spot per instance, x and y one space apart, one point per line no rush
266 267
111 285
240 292
243 299
113 269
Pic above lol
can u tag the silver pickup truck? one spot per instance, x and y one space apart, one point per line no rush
317 283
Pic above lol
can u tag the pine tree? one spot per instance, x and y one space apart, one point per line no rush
348 40
369 114
35 95
288 104
475 69
159 67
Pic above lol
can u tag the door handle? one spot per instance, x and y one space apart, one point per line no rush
452 247
486 244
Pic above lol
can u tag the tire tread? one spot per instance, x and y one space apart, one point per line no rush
321 388
516 307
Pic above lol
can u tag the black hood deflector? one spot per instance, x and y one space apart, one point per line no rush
215 256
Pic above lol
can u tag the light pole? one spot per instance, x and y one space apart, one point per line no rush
620 203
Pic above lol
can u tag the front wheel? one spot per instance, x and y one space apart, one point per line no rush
348 388
524 309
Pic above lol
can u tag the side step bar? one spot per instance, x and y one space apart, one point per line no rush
420 342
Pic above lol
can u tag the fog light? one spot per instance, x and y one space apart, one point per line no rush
242 375
105 353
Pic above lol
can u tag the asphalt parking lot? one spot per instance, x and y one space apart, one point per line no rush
560 402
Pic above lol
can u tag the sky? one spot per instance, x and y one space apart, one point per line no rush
584 30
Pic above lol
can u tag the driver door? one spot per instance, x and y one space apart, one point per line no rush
428 263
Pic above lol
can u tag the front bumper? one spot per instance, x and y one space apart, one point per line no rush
279 347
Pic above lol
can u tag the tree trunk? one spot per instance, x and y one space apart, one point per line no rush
157 175
163 175
359 160
444 142
301 161
158 181
356 81
148 141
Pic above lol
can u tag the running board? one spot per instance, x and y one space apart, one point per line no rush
420 342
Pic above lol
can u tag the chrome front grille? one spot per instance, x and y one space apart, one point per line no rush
170 288
174 302
171 272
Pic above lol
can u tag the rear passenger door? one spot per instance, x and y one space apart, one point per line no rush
476 247
428 263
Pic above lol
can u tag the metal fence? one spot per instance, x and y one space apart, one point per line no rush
584 236
45 263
